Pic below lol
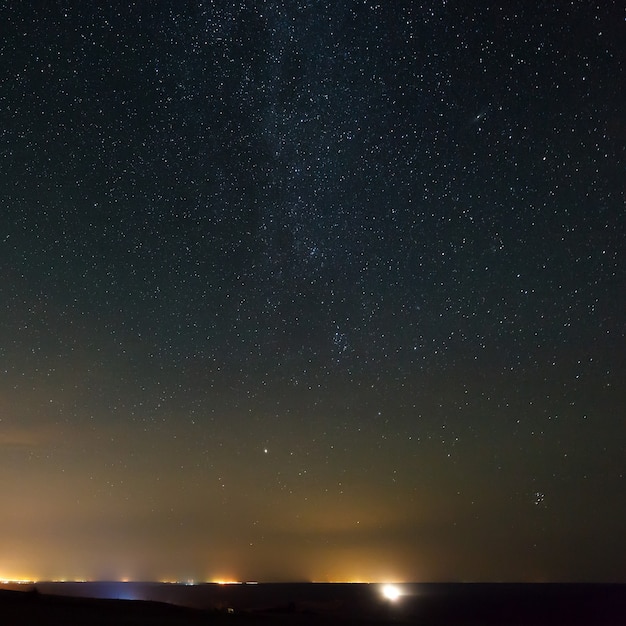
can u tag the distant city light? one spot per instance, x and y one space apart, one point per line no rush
16 581
228 582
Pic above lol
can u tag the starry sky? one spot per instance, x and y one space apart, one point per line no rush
312 290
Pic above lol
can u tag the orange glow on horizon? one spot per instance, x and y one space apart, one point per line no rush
227 582
17 580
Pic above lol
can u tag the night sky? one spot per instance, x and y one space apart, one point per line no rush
313 290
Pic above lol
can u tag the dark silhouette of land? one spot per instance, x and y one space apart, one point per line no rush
50 604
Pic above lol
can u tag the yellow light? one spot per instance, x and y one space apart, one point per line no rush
227 582
17 580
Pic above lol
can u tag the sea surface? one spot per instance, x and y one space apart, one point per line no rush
493 603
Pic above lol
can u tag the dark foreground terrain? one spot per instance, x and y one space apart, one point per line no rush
311 604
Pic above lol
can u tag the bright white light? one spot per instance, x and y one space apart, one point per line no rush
391 592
